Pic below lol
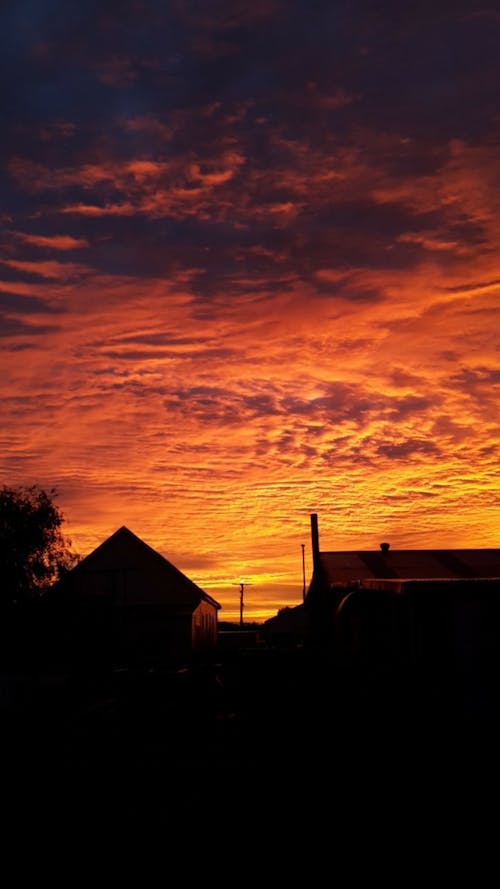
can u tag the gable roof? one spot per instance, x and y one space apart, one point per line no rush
349 567
123 553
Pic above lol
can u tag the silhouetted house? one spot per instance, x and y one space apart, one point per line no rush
435 610
288 628
126 603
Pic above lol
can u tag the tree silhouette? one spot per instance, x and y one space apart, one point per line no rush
34 552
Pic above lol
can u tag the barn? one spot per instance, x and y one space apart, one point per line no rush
126 603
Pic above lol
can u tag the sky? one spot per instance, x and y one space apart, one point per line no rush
249 271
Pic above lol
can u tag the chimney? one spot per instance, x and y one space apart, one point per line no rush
315 540
385 547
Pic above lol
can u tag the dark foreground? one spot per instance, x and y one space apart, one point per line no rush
264 747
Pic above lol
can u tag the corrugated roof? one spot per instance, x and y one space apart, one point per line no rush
348 567
124 552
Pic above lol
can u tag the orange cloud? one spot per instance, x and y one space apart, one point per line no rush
125 209
53 242
46 268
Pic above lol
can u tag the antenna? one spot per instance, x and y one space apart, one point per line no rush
242 586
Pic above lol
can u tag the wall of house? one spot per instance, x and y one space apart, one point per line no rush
457 640
372 628
151 635
204 626
101 619
93 631
125 586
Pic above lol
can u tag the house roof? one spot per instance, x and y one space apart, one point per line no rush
349 567
288 620
126 554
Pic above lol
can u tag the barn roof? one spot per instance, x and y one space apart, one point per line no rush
123 552
348 567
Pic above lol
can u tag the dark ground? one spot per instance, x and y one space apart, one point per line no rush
260 748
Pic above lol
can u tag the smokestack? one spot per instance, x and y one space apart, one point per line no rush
315 540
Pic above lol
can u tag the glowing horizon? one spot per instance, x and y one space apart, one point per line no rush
250 271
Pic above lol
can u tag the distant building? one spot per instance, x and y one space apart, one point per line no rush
288 628
434 610
126 603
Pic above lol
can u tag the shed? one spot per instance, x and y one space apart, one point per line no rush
126 602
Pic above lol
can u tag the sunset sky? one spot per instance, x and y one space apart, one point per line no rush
249 270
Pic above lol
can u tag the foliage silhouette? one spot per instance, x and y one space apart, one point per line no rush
34 552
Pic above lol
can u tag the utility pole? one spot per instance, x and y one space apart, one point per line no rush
242 586
303 573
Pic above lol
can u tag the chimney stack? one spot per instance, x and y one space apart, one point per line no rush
315 540
385 547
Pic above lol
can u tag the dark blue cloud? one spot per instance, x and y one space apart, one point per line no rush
294 86
26 305
13 327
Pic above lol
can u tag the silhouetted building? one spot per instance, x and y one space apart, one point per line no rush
128 604
288 628
436 612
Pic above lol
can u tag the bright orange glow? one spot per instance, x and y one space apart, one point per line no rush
254 301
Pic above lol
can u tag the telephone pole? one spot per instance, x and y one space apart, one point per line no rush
242 586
